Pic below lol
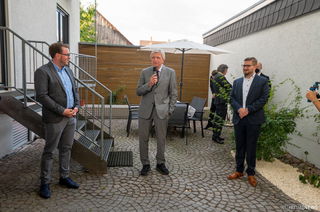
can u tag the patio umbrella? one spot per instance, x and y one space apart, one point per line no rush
185 47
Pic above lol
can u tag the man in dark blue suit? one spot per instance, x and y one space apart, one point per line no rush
248 96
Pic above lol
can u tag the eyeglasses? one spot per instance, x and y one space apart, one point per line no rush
246 65
68 55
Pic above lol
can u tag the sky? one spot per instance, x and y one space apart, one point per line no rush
168 20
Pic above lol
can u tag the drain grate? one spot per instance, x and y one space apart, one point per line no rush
120 159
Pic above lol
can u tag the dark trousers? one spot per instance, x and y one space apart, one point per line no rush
220 116
246 144
211 115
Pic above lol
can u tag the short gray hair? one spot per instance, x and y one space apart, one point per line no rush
222 68
163 55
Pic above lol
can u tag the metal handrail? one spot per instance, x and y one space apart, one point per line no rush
34 49
82 55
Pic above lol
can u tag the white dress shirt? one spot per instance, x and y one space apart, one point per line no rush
245 88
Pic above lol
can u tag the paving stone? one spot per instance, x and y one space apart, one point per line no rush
197 180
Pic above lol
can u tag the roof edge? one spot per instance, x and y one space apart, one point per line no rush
260 4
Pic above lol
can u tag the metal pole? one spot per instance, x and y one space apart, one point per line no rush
24 77
95 31
181 75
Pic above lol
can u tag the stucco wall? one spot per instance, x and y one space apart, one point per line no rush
288 50
36 19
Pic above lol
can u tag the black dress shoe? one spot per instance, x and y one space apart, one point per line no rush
162 169
45 191
217 140
145 169
220 138
68 182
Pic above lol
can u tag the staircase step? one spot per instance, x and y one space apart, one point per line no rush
84 141
80 124
35 107
92 134
18 95
107 147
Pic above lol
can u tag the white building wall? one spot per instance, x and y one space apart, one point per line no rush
288 50
36 19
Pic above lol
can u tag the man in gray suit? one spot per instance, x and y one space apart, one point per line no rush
57 92
157 86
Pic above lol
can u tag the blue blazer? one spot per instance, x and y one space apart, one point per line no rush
256 99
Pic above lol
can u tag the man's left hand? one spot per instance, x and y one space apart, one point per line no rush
75 111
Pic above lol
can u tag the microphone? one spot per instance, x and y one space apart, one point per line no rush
157 73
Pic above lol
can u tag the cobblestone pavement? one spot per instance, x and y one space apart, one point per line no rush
197 181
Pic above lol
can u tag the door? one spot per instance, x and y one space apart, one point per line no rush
3 74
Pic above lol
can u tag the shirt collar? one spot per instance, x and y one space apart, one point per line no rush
57 68
250 77
160 68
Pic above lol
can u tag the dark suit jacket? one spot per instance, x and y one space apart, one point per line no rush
256 99
221 89
50 92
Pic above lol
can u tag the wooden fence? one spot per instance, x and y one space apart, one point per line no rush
119 69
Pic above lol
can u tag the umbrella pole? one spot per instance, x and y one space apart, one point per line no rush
181 75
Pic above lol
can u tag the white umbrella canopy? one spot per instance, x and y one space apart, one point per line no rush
185 47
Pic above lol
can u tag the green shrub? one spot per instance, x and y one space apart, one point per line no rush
280 122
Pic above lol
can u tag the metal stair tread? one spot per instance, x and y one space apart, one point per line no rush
18 95
35 107
107 146
92 134
80 124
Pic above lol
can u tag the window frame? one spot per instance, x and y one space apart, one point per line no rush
62 19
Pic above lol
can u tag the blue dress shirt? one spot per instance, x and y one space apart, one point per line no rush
67 85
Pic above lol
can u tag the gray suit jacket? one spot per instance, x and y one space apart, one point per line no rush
163 95
50 92
256 99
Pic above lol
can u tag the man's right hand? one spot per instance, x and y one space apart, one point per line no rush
68 113
243 112
153 80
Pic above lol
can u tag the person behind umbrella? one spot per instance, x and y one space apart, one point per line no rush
157 86
221 90
212 108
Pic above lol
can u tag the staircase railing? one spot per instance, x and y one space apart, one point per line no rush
25 57
87 62
79 63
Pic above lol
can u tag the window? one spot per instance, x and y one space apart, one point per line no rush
62 26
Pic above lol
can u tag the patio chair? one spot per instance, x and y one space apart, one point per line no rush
133 113
179 118
198 103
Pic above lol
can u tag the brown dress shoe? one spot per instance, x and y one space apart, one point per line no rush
235 175
252 181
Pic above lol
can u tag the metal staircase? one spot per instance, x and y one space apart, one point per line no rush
93 138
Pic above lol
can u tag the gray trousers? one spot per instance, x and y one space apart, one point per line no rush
161 134
57 135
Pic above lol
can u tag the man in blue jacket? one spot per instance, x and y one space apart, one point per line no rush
248 96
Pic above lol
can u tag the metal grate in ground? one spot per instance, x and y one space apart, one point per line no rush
120 159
